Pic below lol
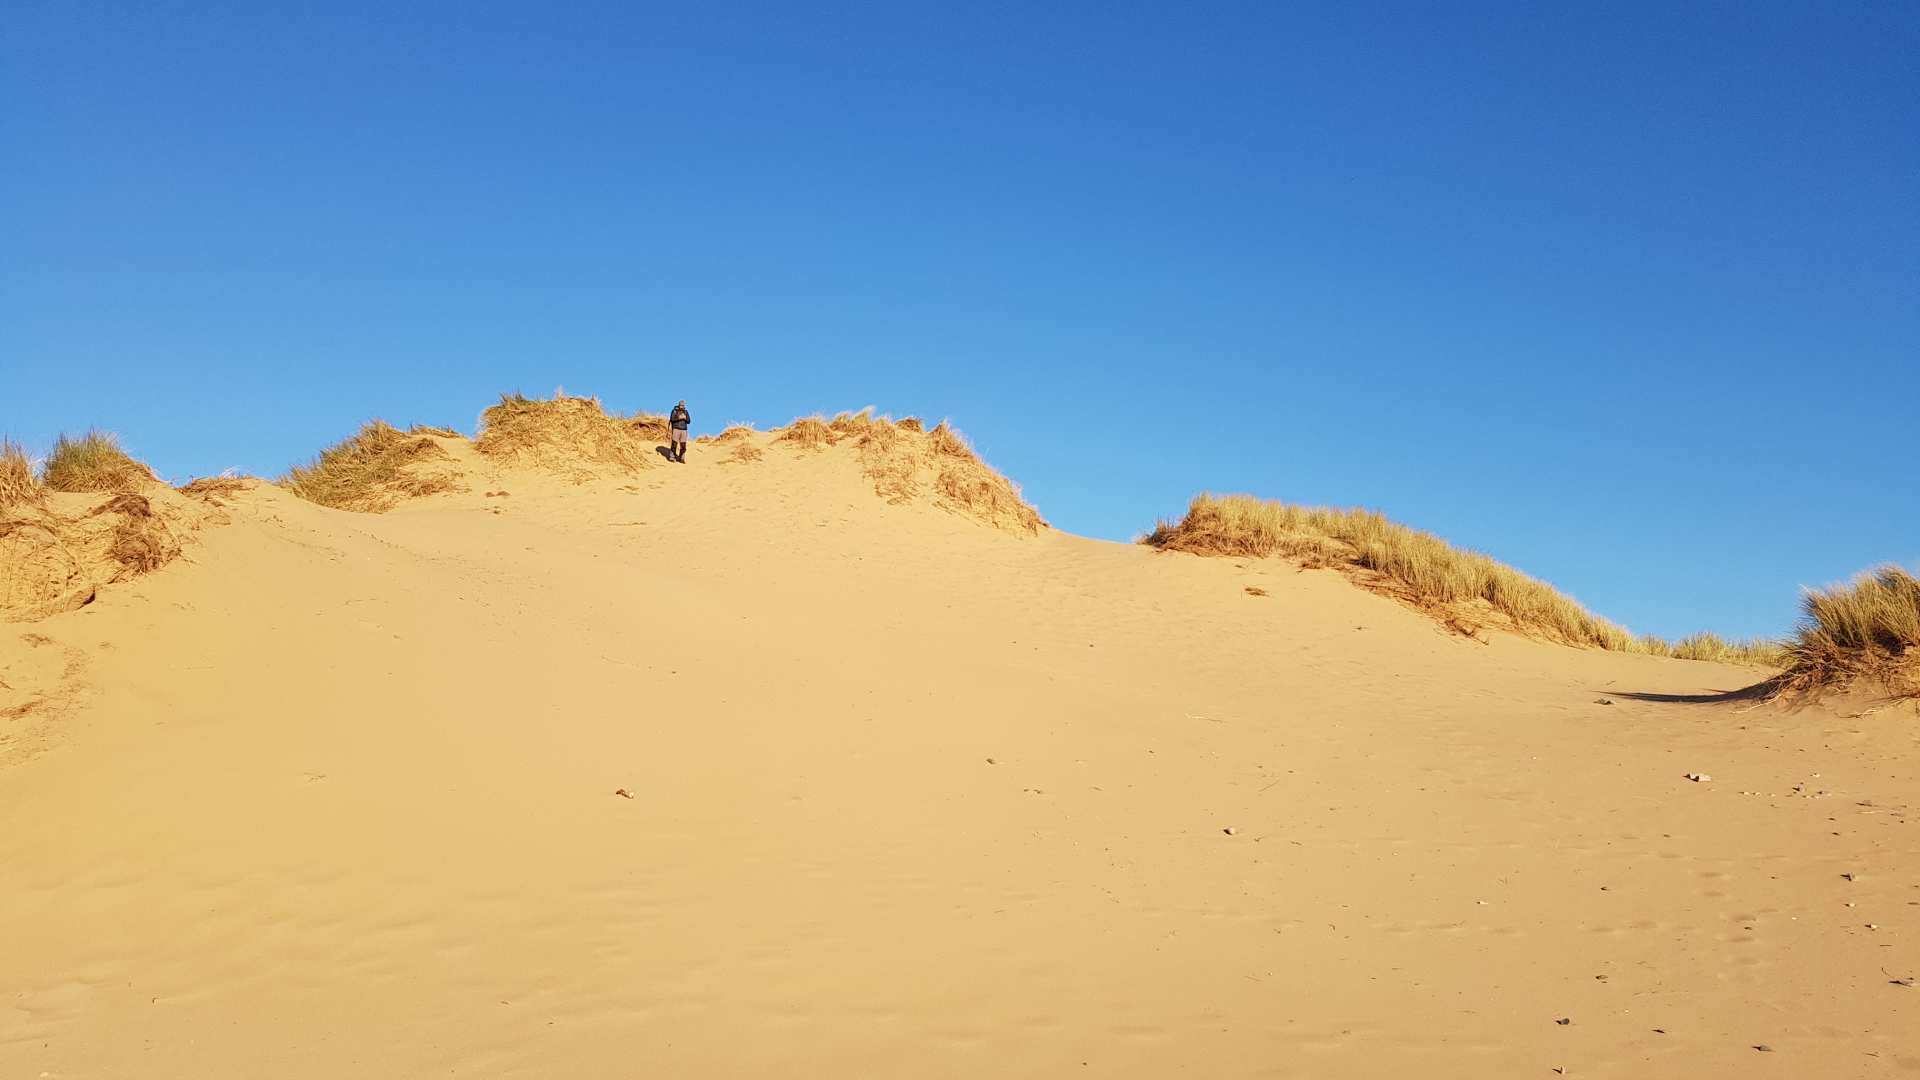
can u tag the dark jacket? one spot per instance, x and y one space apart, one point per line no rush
680 418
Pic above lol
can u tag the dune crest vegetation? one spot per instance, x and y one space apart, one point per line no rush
904 462
1866 628
808 433
561 433
650 426
52 562
54 555
374 469
93 462
217 489
741 452
1464 589
17 483
1758 652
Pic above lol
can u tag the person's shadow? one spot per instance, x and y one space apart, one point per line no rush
664 451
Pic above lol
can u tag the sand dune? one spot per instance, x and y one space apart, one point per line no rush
744 769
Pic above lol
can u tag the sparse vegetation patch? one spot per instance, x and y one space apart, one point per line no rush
141 541
650 426
904 462
92 462
566 434
372 471
17 483
808 433
52 560
742 452
1713 647
852 423
1462 588
215 489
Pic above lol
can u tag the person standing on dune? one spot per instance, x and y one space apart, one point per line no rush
679 422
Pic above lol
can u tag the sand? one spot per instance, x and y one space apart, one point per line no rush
338 795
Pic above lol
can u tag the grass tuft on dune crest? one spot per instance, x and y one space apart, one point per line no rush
1416 567
1457 586
808 433
373 470
742 452
963 482
17 483
739 438
1709 646
1869 626
216 489
93 462
853 423
904 462
561 433
651 427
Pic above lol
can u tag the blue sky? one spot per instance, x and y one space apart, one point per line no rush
1625 295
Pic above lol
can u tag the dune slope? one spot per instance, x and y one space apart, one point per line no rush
742 770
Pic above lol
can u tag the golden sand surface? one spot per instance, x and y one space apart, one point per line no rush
740 770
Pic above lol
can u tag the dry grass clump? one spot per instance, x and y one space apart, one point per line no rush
849 424
808 433
565 433
1651 645
372 471
891 461
909 423
52 562
1713 647
17 483
903 462
967 484
742 453
92 462
141 541
1416 567
733 433
650 426
1460 587
1867 627
216 488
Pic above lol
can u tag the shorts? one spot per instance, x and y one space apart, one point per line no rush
679 435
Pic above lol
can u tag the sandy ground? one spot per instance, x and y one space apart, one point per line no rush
909 797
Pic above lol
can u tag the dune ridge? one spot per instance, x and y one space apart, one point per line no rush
1464 590
749 769
1848 635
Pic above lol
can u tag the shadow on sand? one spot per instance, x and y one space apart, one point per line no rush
664 451
1759 691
